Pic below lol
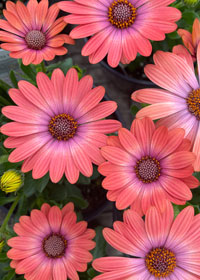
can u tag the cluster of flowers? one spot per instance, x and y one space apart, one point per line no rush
59 127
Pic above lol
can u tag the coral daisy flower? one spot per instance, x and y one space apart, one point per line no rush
177 105
164 248
121 28
58 126
32 32
190 41
51 244
148 166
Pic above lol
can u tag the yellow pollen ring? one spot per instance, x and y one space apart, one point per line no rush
160 262
193 102
121 13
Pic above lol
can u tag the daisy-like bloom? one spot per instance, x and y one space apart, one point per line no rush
32 32
58 126
190 41
148 166
11 181
164 248
121 28
177 104
51 244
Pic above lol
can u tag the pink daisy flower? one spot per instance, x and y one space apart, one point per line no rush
58 126
121 28
51 244
164 248
177 104
32 32
148 166
191 41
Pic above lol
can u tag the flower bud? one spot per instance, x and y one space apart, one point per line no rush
11 180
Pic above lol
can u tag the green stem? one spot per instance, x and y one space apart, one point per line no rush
7 218
43 67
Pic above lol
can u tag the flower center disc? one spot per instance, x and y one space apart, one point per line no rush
193 101
35 40
54 246
148 169
160 262
62 127
121 13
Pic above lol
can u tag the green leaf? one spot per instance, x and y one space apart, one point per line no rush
72 190
100 249
28 70
57 192
22 207
173 35
4 101
7 268
63 65
79 202
4 86
9 276
5 200
179 208
176 210
79 70
13 79
3 159
3 257
92 273
3 151
42 183
8 165
189 16
197 175
32 185
134 110
95 174
74 195
28 187
84 180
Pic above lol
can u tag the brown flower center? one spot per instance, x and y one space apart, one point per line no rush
62 127
121 13
160 262
54 246
193 102
147 169
35 39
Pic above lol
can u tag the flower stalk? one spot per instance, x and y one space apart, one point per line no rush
11 210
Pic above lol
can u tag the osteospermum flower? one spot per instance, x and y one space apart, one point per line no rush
121 28
11 180
148 166
190 41
51 244
177 104
58 126
164 248
32 32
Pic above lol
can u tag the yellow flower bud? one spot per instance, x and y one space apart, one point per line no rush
190 3
2 243
11 180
